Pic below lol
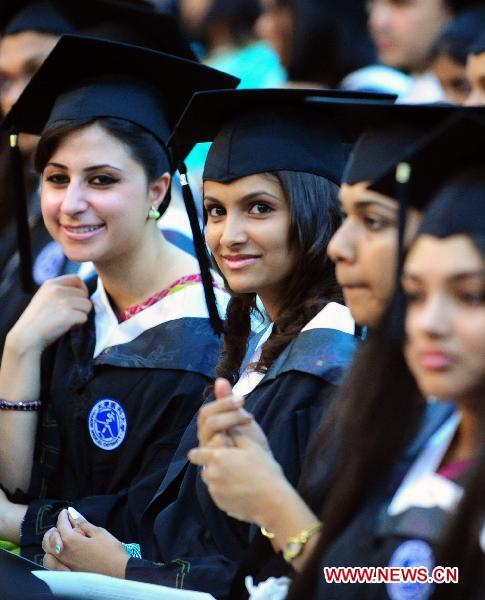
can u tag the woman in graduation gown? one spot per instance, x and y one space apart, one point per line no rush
402 516
29 29
99 382
270 193
365 250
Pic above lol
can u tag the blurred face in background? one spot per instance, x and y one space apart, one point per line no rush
404 31
452 77
475 71
21 54
275 25
192 15
444 282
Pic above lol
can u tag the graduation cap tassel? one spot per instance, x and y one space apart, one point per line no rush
397 315
403 174
200 251
21 213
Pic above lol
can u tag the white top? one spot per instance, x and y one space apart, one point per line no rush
332 316
422 486
187 302
425 88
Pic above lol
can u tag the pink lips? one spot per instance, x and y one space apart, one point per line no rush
436 361
240 261
82 232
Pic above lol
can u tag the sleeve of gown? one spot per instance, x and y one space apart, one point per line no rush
211 574
202 548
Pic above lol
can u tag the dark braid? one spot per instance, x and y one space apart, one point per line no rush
315 216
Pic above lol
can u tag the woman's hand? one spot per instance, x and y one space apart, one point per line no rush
242 479
11 516
77 545
219 419
248 484
59 305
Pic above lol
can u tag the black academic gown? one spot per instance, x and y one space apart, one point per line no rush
200 545
156 381
48 261
376 539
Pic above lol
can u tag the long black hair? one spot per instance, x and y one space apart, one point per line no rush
377 413
314 217
329 41
459 208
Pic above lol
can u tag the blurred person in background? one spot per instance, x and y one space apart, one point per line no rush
223 32
475 72
405 32
451 50
324 44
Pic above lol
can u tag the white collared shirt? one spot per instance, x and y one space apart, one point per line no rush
187 302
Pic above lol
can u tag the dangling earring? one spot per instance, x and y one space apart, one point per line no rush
153 213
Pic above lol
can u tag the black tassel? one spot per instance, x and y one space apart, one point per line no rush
200 251
397 314
22 217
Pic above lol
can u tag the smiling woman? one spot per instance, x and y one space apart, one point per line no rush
85 200
115 367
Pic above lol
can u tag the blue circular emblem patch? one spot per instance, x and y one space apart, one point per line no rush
49 262
410 554
107 424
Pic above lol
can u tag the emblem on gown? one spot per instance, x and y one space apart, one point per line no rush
49 263
412 554
107 424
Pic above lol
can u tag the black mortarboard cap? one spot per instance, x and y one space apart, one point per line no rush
455 143
389 135
270 130
44 16
86 78
255 131
458 206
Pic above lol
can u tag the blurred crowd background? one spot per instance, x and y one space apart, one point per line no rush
417 49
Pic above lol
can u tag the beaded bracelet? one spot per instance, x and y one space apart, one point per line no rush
23 406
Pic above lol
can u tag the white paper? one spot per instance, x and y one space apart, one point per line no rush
90 586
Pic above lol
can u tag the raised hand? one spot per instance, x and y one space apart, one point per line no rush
241 479
217 420
59 305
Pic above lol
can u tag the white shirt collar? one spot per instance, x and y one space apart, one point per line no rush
187 302
332 316
422 486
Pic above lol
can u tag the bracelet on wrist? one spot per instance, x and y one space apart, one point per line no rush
21 406
133 549
295 545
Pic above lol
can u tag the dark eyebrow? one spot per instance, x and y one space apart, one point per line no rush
480 274
88 170
371 203
96 167
453 278
248 197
